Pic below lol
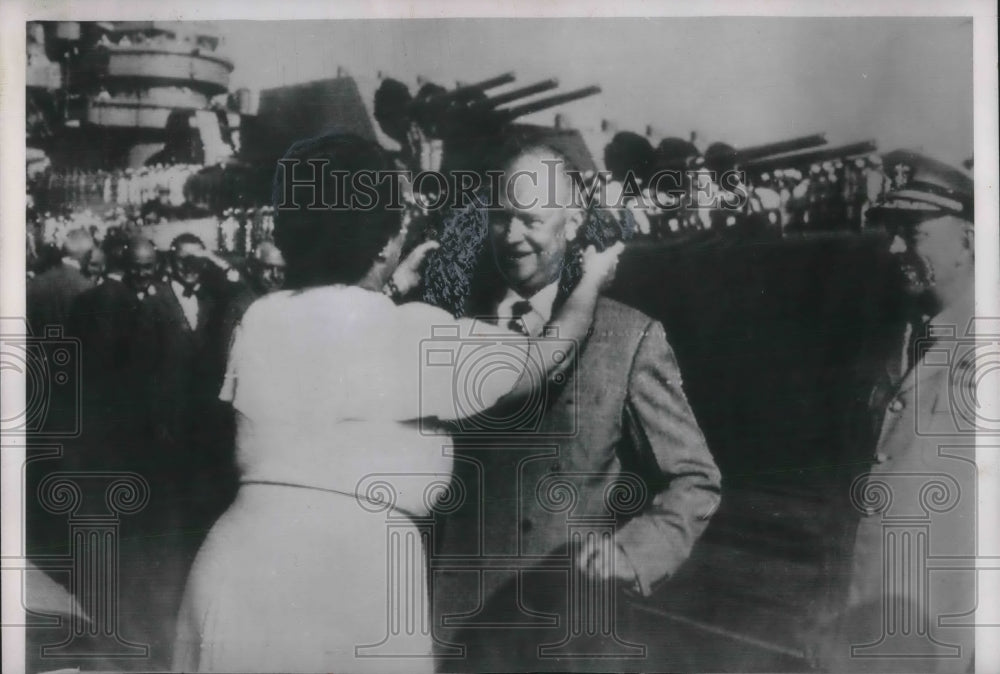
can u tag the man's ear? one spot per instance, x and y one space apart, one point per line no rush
574 219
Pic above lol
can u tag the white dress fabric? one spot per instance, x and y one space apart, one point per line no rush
307 566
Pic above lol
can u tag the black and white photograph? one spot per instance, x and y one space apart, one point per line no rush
392 338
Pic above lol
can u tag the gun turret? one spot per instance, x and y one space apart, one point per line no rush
465 118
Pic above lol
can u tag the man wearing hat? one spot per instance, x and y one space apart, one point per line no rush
910 591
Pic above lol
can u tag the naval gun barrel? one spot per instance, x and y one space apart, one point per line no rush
467 91
754 152
510 114
522 92
800 159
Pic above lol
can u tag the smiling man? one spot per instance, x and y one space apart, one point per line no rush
620 422
904 610
530 236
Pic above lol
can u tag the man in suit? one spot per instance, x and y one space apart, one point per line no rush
617 441
185 313
104 316
901 609
108 320
189 424
185 453
50 294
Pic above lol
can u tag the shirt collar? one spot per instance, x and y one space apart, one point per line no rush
179 288
541 302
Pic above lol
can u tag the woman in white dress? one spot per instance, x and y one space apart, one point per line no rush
335 386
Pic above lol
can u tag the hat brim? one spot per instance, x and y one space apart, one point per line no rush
887 214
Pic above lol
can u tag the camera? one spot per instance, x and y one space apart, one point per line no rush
50 365
957 367
467 367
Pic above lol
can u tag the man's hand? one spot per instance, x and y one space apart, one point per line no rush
601 267
205 254
605 560
408 274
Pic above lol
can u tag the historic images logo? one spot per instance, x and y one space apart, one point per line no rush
953 380
473 370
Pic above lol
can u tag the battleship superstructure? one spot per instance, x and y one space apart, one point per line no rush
104 96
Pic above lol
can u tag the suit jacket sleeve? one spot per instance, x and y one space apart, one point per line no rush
671 453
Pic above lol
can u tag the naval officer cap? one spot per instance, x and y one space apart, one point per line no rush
921 188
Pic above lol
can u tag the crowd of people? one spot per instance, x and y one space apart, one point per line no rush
827 195
154 328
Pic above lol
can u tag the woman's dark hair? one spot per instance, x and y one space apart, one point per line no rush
322 245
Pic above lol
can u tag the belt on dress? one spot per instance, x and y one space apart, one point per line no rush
356 497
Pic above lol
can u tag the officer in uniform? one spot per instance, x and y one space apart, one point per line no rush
910 586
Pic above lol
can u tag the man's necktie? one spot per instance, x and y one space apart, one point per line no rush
189 291
518 311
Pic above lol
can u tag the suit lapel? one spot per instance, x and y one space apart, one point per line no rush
174 307
206 304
